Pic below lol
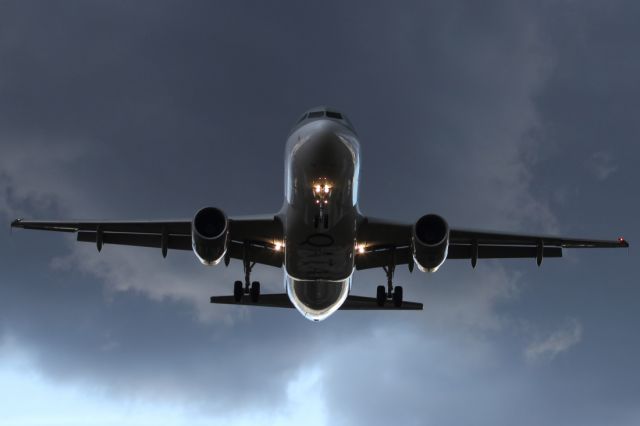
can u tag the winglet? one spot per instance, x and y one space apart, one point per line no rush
16 223
622 242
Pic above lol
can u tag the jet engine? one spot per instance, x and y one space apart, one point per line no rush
209 235
430 241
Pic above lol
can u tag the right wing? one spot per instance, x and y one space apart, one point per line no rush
388 242
255 234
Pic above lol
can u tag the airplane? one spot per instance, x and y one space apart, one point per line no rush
319 237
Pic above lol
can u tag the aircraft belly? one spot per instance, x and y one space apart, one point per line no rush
320 216
321 263
319 254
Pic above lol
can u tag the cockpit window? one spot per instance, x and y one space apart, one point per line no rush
320 112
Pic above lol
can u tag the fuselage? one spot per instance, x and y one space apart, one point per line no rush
320 213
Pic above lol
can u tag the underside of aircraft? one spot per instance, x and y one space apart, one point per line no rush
320 237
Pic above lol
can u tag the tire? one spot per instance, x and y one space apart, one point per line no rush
237 291
326 221
381 295
255 291
397 297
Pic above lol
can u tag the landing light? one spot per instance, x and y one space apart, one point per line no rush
360 248
277 246
322 187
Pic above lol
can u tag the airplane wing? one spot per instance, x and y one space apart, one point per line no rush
258 233
388 242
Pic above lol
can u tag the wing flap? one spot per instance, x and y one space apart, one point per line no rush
174 242
460 251
461 236
402 255
258 253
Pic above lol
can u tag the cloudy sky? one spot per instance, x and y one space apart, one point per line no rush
502 115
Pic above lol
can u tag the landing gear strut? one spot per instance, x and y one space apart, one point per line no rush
250 288
390 293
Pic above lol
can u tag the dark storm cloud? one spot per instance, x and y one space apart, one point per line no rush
493 115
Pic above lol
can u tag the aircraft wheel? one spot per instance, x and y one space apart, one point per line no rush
237 291
397 296
381 295
255 291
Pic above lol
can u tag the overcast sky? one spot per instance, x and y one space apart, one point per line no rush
506 115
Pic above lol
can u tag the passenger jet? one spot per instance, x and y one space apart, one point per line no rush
319 237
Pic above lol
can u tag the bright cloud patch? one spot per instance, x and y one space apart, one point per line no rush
547 348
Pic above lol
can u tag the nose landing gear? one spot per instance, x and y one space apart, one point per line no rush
250 288
321 217
322 193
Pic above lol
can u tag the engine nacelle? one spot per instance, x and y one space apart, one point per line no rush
430 242
209 235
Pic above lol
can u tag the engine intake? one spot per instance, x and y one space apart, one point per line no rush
430 242
209 234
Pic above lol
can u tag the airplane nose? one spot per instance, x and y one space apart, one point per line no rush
326 147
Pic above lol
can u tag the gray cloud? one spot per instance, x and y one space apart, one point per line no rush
482 113
601 165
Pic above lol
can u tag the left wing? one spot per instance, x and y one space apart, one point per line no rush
255 234
391 242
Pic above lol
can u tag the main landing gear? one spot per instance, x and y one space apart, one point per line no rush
249 288
390 293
